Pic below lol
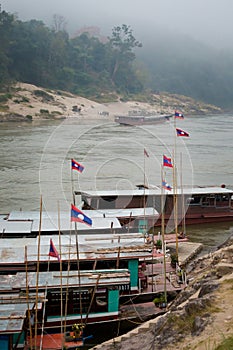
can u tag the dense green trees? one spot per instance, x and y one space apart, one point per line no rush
6 21
33 53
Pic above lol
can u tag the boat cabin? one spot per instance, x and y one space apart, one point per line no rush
196 204
92 295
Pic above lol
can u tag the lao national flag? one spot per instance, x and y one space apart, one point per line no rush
76 166
180 132
53 251
166 186
167 162
78 216
146 153
179 115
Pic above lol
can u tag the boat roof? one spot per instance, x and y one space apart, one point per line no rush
25 222
155 191
54 279
13 309
127 213
12 317
91 247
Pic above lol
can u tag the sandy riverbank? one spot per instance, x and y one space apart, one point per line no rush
33 103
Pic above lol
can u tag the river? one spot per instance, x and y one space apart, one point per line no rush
35 161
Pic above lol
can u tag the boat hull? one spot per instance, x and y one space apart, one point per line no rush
142 120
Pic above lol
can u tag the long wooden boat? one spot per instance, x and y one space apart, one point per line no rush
197 205
110 275
61 293
142 119
26 223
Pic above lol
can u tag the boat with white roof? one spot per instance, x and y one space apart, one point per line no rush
196 205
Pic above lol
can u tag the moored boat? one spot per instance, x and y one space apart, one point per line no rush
142 119
197 205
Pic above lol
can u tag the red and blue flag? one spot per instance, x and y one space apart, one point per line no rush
78 216
53 251
180 132
179 115
166 186
76 166
167 162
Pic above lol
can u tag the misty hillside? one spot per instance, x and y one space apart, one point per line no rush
184 66
89 66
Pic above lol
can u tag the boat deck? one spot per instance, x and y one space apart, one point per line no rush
52 342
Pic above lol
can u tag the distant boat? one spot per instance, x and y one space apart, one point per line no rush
141 119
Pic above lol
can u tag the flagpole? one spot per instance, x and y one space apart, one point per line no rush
72 184
78 267
27 294
163 232
144 193
38 270
59 232
46 289
67 279
175 189
182 196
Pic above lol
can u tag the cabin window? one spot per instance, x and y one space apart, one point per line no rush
208 201
194 200
223 200
107 202
136 202
73 297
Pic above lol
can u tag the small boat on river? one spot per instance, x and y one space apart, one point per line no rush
142 120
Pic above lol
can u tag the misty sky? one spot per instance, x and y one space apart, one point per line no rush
209 21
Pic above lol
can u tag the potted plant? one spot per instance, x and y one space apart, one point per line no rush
174 259
158 244
160 301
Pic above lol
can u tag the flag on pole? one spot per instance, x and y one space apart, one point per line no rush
76 166
53 251
179 115
167 162
146 153
166 186
78 216
180 132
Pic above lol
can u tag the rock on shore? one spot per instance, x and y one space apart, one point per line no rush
201 317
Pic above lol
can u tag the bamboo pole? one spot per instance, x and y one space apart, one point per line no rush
38 272
182 196
163 233
42 326
67 284
92 298
144 195
72 184
175 190
78 267
61 283
27 296
118 257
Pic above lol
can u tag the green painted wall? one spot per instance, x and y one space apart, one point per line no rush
21 340
133 269
4 341
142 226
113 300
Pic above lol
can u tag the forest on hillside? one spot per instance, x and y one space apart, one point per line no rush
88 66
33 53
